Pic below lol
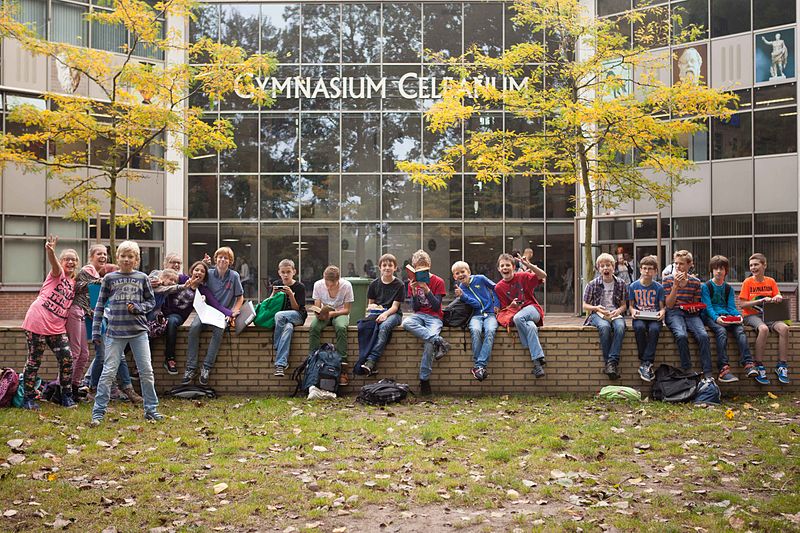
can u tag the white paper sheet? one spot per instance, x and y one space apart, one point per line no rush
207 314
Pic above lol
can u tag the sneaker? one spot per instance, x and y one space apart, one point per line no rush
369 367
67 401
115 393
280 371
30 404
204 372
537 371
783 373
188 377
543 361
480 373
750 370
424 387
612 369
646 372
131 394
153 415
344 379
726 376
441 347
96 422
171 367
761 375
315 393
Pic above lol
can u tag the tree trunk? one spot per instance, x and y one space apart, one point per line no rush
112 216
588 260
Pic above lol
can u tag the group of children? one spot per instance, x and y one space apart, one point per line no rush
687 306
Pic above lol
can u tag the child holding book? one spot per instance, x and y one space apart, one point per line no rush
384 297
333 298
605 300
293 313
646 296
477 291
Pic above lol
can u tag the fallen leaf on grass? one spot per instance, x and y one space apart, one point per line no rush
775 405
15 459
736 522
15 443
729 414
9 513
772 396
60 523
320 449
220 488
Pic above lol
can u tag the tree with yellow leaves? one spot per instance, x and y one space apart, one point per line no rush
604 118
134 111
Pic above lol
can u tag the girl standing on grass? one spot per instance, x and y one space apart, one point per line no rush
46 324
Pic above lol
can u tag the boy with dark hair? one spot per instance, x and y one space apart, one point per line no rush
683 294
384 297
719 299
647 296
757 290
605 300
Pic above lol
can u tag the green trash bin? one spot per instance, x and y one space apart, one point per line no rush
359 307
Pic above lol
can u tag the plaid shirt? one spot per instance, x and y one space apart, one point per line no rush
593 294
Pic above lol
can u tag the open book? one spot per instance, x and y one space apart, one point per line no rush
421 274
315 309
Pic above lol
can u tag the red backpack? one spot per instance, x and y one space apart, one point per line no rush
9 382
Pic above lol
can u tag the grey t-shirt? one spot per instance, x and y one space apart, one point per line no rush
607 300
225 288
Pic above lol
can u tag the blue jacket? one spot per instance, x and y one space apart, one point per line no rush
716 303
479 293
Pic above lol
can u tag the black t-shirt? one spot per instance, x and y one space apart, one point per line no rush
299 291
385 294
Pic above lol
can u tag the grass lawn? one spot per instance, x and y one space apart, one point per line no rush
487 464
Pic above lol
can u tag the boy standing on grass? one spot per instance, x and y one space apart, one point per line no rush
477 291
757 290
125 298
719 299
388 293
683 289
646 294
426 322
293 313
605 300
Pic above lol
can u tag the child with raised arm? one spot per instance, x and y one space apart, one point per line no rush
125 298
293 313
720 303
477 291
517 288
426 322
605 300
45 324
384 297
646 296
757 290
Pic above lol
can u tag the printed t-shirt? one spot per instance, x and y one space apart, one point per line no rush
47 315
755 290
436 285
646 297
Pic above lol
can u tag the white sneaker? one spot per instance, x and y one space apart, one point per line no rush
315 393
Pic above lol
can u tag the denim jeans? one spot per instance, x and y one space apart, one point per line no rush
123 372
647 332
721 334
611 335
384 329
194 344
340 324
285 321
173 323
114 350
482 329
525 322
427 328
679 322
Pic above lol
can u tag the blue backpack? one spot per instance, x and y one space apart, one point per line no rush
708 392
321 369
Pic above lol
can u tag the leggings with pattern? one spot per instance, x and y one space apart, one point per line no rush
60 346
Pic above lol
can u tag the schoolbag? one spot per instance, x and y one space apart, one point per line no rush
708 392
9 383
674 385
157 327
266 310
19 397
383 392
192 392
321 369
457 314
52 392
710 286
618 392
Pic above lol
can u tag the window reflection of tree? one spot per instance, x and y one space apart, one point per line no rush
238 197
321 24
402 36
401 138
319 196
239 23
401 198
360 29
279 143
280 31
443 28
243 158
360 142
320 134
279 197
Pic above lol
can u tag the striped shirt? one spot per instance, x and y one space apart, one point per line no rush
686 295
116 292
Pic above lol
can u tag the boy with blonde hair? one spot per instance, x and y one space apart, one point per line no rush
477 291
605 300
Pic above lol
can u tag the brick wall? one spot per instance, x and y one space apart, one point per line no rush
574 363
14 305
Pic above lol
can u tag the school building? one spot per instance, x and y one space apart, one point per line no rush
313 177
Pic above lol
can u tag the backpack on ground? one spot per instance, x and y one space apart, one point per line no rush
52 392
192 392
9 383
158 326
384 392
457 314
618 392
321 369
19 397
267 309
708 393
674 385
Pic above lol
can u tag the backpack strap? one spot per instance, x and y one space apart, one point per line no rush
297 375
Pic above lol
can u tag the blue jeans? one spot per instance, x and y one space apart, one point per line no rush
647 332
611 335
427 328
173 323
679 322
384 329
525 322
123 373
194 344
114 348
285 321
482 329
721 334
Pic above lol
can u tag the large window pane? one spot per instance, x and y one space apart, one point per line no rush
652 31
320 245
278 242
360 250
68 24
483 27
202 196
559 268
522 236
700 254
279 196
444 203
206 24
238 197
33 13
239 23
524 197
243 240
320 100
319 196
320 143
402 32
401 139
738 252
482 199
24 226
321 23
110 37
482 244
781 255
361 142
279 143
443 243
775 131
693 14
768 13
401 198
775 223
243 158
690 227
732 225
560 201
609 7
731 138
402 240
361 25
361 197
729 17
362 95
23 261
442 28
280 31
202 240
614 230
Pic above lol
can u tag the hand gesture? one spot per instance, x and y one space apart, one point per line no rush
661 314
50 243
382 317
459 292
131 308
777 298
681 279
206 259
635 313
155 282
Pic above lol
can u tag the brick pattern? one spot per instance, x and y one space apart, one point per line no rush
14 305
574 362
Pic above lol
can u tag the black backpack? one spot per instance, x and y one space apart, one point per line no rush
457 314
384 392
321 369
192 392
674 385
